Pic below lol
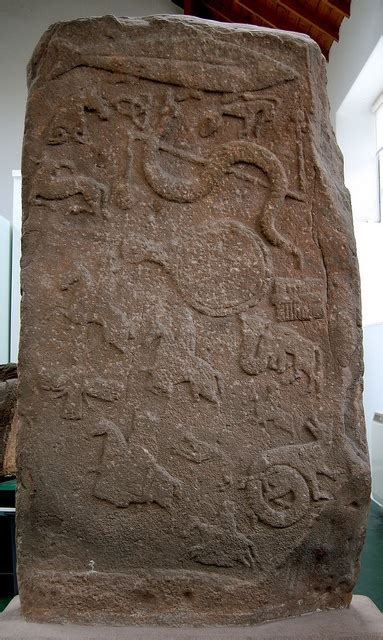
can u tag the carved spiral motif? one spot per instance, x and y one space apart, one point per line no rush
280 495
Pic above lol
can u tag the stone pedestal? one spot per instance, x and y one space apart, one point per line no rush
362 621
192 446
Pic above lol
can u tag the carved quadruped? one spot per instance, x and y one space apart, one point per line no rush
59 181
190 360
283 482
266 346
77 386
129 473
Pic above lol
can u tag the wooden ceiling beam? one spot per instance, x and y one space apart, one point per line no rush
253 12
229 11
343 6
216 14
259 11
311 17
273 19
191 7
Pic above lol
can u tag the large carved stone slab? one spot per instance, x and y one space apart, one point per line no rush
190 355
8 420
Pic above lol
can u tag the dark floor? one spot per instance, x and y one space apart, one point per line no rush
370 581
3 603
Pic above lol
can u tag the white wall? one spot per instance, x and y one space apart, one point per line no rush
355 79
5 297
356 134
22 22
357 39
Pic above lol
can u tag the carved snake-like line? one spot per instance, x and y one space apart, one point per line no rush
219 162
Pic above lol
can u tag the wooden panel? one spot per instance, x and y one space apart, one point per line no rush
308 15
320 19
343 6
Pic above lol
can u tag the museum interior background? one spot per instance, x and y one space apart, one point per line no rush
355 88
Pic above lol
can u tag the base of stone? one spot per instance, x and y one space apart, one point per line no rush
362 621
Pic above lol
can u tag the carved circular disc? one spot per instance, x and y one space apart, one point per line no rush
222 267
280 496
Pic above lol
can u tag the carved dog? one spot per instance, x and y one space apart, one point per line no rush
266 346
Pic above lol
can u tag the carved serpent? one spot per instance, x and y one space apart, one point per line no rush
222 158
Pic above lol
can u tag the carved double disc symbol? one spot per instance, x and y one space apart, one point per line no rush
280 496
221 267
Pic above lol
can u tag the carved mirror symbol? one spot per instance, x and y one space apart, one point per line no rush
220 267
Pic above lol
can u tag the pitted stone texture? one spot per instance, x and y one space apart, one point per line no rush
191 352
8 397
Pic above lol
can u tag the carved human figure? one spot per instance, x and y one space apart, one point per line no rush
173 338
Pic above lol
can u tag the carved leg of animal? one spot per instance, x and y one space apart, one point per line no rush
317 493
254 355
94 195
73 405
246 558
204 381
159 382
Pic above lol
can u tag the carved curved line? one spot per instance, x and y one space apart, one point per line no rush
219 162
279 520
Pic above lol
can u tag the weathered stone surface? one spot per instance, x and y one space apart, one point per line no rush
190 353
8 397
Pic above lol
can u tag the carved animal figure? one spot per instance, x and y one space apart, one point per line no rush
175 362
195 450
129 472
266 346
281 481
69 123
77 385
221 161
268 409
61 181
85 303
223 546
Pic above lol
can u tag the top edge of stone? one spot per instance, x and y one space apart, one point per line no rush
123 23
147 20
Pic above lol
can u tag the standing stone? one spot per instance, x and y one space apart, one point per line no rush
192 445
8 421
